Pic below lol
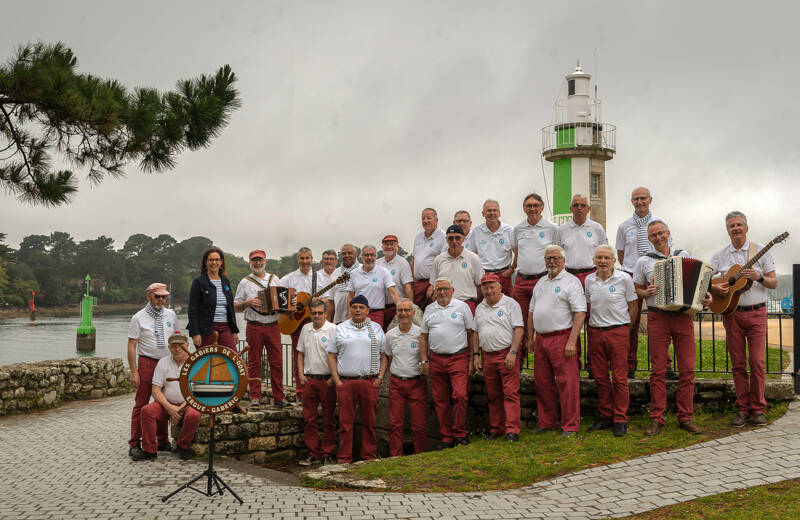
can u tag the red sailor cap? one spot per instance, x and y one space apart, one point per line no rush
257 252
388 238
489 278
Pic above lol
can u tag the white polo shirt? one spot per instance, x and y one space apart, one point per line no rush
339 292
301 282
726 257
372 284
425 250
354 349
447 326
142 328
403 348
530 242
323 279
247 289
464 271
579 242
168 368
608 300
626 241
400 270
643 271
554 301
467 240
313 344
495 249
495 323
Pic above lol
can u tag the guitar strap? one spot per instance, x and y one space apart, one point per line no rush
254 280
752 250
313 281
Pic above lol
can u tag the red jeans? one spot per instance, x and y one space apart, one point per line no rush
556 381
522 292
449 380
749 326
225 336
154 417
376 316
317 391
421 293
295 339
472 305
610 347
502 389
258 337
582 276
389 313
145 367
661 327
415 391
359 391
506 284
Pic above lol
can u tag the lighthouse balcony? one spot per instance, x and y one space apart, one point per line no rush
579 139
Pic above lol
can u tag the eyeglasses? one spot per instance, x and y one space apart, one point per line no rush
214 260
532 206
553 258
160 296
443 289
405 310
578 205
317 313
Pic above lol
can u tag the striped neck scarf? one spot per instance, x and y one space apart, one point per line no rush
158 329
642 243
374 353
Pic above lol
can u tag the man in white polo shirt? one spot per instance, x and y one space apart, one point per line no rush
325 277
373 281
262 330
463 220
493 242
407 384
427 246
354 359
400 270
340 294
445 337
612 309
556 313
531 236
315 376
461 266
580 236
498 333
147 344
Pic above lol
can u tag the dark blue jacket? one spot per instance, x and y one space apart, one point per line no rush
203 303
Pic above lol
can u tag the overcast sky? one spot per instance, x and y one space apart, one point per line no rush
356 115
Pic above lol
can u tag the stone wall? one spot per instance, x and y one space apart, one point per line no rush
26 387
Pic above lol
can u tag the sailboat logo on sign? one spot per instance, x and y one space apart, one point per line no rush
213 378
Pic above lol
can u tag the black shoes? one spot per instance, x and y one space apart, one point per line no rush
671 375
631 373
619 429
492 436
539 431
460 441
601 423
283 403
165 447
138 454
444 445
512 437
185 454
133 449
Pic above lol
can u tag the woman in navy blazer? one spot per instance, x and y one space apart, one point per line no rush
207 312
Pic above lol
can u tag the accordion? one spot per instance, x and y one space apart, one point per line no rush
275 299
682 284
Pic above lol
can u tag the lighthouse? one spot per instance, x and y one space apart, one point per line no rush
579 143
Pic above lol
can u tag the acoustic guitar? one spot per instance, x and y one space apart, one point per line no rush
727 304
288 323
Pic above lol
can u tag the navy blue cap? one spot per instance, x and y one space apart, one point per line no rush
455 229
360 299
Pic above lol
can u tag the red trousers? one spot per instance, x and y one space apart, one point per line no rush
661 327
522 292
376 316
502 389
317 391
225 336
449 380
749 327
258 337
154 417
633 338
506 283
420 293
389 313
610 348
582 276
359 391
415 392
145 367
295 339
556 381
472 306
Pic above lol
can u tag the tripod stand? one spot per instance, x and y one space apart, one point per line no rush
210 473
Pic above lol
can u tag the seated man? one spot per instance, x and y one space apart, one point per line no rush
169 404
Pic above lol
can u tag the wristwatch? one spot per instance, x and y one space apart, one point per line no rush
761 280
513 351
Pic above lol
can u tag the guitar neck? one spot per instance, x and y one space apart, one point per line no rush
329 286
750 263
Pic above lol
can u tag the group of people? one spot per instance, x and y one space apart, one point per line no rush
490 294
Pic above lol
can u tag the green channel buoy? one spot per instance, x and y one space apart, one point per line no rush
85 341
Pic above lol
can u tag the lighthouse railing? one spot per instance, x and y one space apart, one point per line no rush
579 134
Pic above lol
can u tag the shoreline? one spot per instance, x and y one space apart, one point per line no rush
66 311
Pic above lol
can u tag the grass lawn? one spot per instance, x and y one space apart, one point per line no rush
498 464
769 502
714 356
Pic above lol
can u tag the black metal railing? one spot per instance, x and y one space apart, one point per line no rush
286 356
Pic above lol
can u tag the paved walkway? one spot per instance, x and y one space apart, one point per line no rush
72 463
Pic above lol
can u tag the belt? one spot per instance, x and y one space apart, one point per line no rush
352 378
580 271
421 280
746 308
388 305
450 355
531 276
401 378
150 358
668 313
496 270
260 324
318 376
612 327
554 333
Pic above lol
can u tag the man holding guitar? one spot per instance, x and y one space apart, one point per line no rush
747 321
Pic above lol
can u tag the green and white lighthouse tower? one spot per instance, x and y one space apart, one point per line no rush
579 143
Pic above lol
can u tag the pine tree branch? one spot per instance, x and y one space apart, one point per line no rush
17 142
